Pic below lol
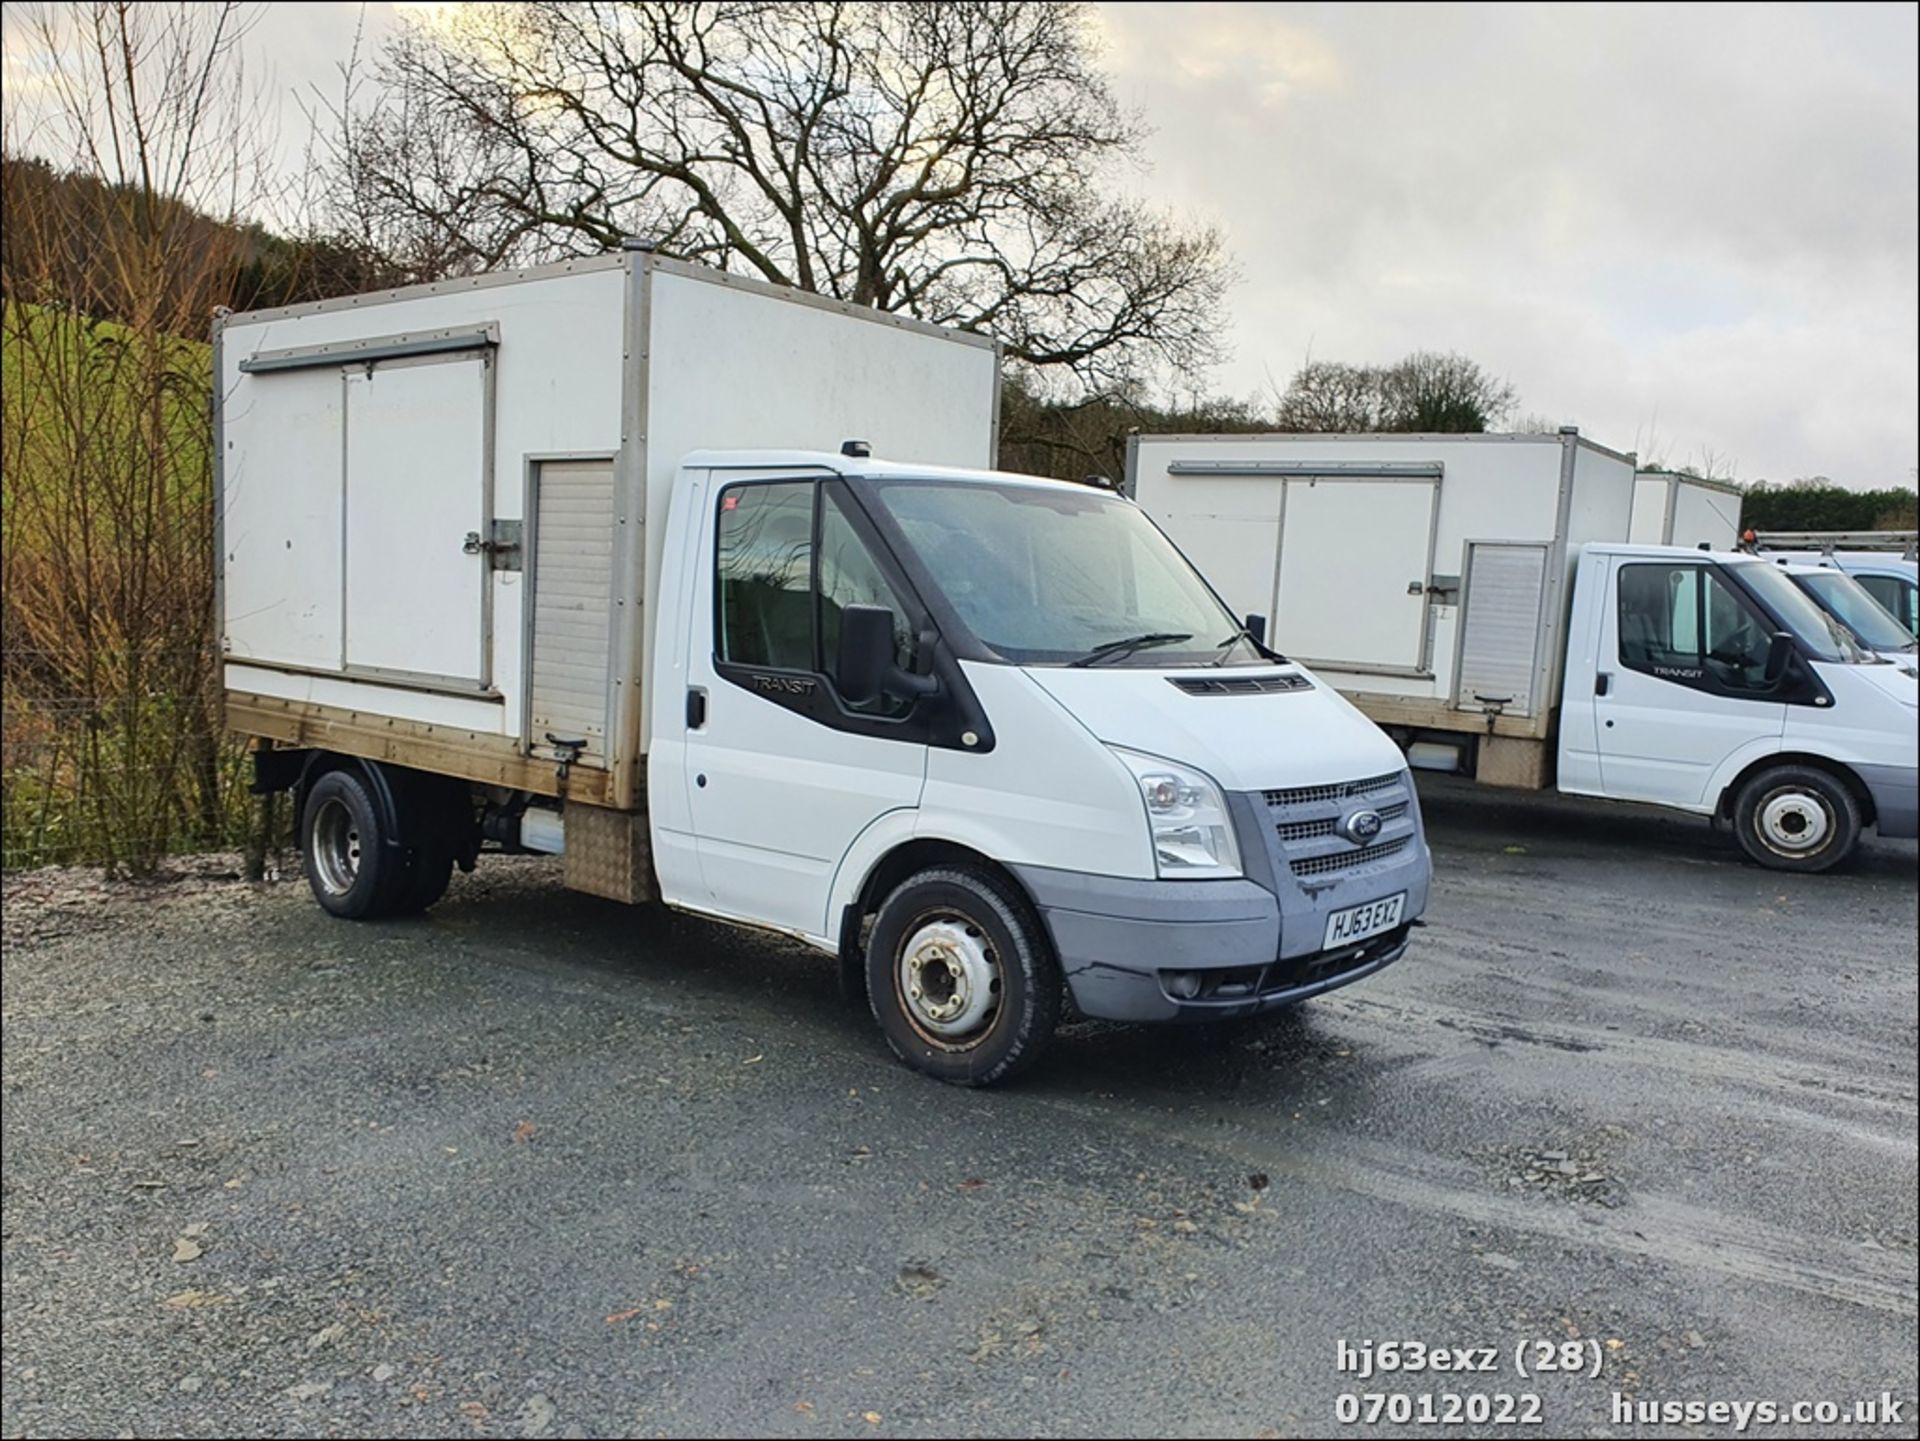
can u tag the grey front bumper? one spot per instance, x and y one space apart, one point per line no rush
1257 940
1115 936
1116 958
1896 799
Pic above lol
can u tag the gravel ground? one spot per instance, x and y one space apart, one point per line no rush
541 1165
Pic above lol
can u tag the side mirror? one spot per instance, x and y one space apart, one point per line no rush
866 652
865 670
1257 628
1779 655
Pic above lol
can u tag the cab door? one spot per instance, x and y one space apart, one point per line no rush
782 774
1681 682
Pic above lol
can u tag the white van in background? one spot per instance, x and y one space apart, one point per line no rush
1848 601
1474 596
1893 582
1886 563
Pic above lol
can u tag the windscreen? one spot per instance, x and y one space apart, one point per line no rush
1046 575
1823 636
1840 594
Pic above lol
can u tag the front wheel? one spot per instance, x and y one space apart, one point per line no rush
962 978
1797 818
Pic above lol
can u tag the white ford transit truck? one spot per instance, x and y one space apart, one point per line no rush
579 560
1477 596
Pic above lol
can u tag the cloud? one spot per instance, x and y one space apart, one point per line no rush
1704 217
1695 229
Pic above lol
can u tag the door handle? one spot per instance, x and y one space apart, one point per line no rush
501 546
696 708
1603 683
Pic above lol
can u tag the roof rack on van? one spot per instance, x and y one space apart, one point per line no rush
1901 542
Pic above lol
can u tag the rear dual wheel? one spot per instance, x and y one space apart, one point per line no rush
353 871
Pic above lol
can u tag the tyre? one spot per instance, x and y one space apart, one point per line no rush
961 977
429 870
1796 818
353 872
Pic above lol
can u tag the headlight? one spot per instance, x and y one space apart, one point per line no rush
1187 818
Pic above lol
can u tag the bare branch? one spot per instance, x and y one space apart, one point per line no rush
945 160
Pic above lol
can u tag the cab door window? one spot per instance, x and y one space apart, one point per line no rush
1897 595
788 559
1685 624
764 575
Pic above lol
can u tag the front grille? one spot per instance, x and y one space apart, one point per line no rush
1241 684
1348 860
1344 790
1314 830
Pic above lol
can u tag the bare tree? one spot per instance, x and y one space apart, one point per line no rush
1087 436
953 161
1427 392
1330 396
1431 391
113 727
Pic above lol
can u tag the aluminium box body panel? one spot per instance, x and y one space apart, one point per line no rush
349 488
1336 582
1673 509
439 508
1704 514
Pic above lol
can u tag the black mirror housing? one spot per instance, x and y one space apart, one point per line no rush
1780 653
1257 628
866 653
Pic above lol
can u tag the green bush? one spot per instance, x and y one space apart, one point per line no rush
1819 504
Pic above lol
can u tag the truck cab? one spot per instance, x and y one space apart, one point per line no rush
990 737
1849 601
1894 581
1714 684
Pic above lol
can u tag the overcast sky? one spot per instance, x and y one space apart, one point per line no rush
1693 232
1690 231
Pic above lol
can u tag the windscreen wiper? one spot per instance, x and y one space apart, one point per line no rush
1226 646
1127 645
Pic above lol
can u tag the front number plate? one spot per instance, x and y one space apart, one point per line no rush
1356 923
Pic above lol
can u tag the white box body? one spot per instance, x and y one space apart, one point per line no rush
1670 509
1426 576
377 452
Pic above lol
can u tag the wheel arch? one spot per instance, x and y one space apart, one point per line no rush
413 805
379 786
1839 770
891 868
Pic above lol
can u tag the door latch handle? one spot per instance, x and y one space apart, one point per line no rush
1603 683
568 754
696 708
501 547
